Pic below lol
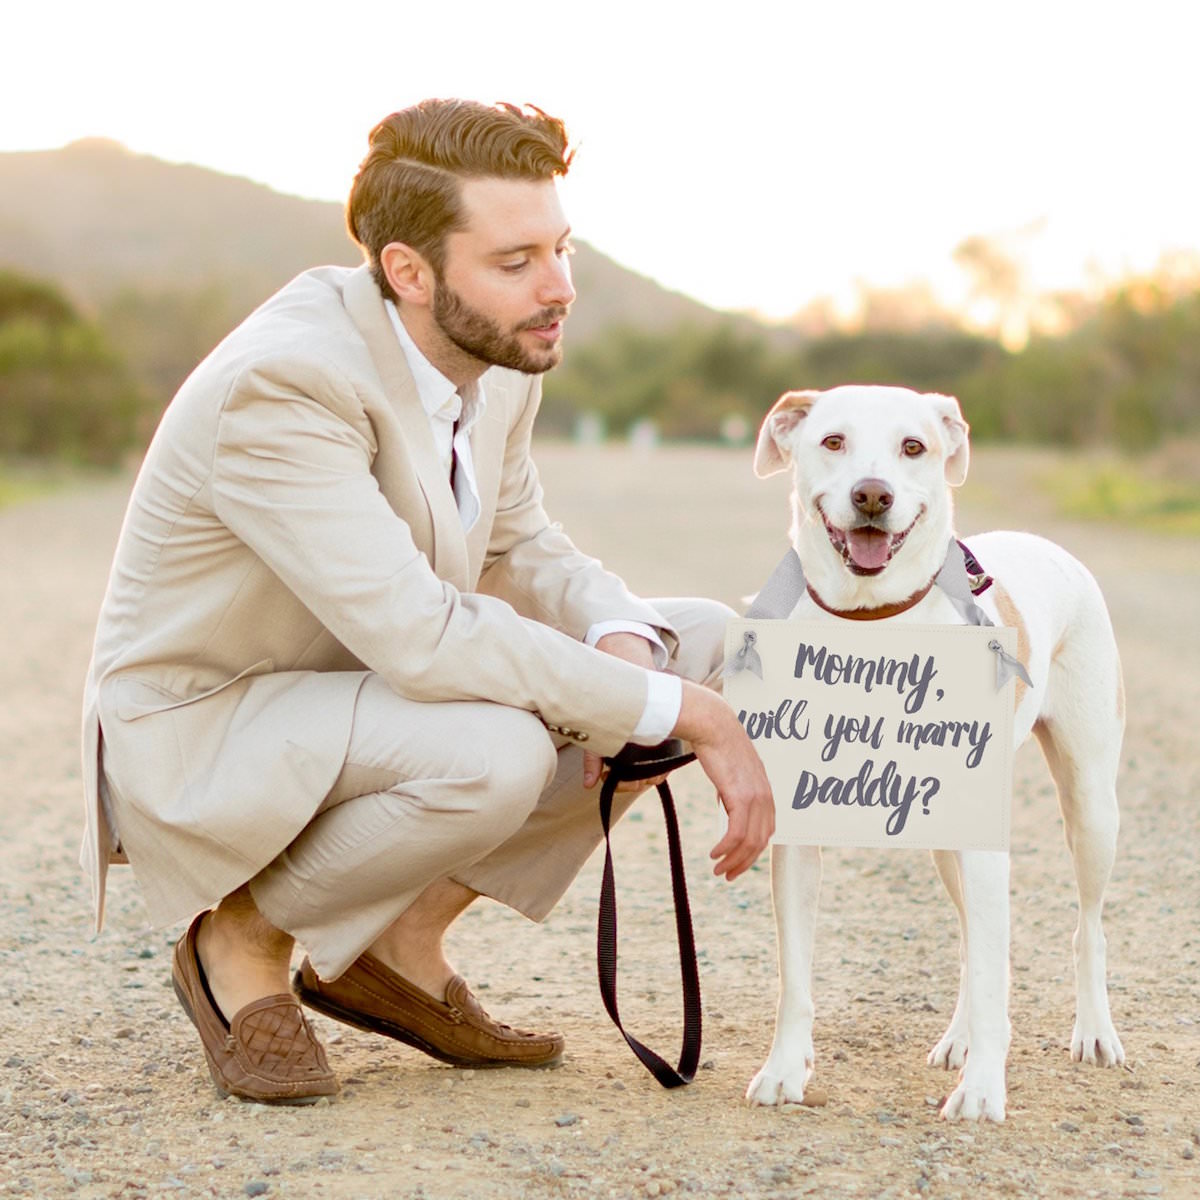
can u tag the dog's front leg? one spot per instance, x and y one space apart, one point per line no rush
981 1093
795 886
951 1050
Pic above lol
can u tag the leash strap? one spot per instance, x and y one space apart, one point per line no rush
632 764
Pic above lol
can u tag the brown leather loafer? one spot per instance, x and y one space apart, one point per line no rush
267 1053
373 997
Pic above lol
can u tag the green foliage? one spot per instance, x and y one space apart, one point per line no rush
1127 491
64 393
1127 376
687 381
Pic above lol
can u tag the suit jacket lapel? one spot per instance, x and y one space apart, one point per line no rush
448 549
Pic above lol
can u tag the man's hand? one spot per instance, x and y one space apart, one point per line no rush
638 651
732 764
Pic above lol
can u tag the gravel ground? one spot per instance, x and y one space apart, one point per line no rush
103 1090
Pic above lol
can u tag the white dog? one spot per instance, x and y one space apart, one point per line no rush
873 468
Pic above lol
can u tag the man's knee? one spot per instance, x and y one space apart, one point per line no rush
520 763
701 625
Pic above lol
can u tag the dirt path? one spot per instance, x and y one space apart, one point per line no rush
102 1087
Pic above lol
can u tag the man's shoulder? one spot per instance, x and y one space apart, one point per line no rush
303 330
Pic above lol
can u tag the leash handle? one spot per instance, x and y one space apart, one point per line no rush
632 764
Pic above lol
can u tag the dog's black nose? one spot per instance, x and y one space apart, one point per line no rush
872 497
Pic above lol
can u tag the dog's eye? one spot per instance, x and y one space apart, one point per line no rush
835 441
912 448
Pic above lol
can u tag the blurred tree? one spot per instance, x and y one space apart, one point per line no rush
64 393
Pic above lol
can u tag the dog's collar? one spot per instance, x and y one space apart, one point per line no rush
874 614
960 577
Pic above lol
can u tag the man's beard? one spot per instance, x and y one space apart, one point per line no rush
476 334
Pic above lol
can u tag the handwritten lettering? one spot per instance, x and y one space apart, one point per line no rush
782 722
951 733
850 729
888 789
911 676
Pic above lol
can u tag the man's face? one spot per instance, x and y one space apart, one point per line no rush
505 289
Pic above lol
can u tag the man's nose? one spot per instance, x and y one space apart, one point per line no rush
555 285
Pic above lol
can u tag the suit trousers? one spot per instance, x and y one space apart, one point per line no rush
470 790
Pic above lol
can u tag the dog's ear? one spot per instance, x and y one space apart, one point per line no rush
772 454
955 431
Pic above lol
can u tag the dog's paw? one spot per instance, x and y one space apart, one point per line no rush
782 1079
951 1052
1098 1045
980 1096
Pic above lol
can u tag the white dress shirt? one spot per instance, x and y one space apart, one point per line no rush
452 415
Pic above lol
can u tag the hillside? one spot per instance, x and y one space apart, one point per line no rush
101 221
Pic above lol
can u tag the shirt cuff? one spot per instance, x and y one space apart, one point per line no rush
661 654
664 698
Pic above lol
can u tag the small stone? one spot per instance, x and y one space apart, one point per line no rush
653 1188
256 1187
522 1103
124 1032
709 1064
1187 1151
1067 1127
568 1119
815 1097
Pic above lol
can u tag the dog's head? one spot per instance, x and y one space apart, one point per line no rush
872 468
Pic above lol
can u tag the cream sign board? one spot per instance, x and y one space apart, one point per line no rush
878 734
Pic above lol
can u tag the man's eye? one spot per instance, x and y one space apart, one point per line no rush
835 441
566 249
913 448
514 268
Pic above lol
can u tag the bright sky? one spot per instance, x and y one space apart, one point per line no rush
752 154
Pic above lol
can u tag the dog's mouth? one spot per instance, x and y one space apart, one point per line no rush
867 549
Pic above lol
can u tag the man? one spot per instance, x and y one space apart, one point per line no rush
347 675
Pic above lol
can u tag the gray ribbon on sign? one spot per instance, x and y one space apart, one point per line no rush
745 658
782 591
1007 666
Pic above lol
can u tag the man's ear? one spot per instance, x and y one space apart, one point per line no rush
773 452
955 431
408 272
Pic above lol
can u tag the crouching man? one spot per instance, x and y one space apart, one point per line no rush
347 675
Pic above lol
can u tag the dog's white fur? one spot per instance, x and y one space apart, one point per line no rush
916 445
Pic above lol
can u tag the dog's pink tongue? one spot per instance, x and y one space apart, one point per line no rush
868 547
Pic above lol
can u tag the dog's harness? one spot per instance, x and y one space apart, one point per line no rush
961 577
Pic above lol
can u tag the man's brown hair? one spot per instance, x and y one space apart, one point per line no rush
408 188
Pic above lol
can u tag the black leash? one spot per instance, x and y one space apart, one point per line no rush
632 764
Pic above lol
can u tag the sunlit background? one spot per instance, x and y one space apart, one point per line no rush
755 156
997 200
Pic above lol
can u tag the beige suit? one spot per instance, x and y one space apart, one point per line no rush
292 531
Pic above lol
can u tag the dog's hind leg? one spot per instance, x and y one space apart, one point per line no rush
951 1050
1083 753
981 1093
795 887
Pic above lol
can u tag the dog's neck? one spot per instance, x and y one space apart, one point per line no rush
880 612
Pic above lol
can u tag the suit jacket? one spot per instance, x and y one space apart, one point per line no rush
292 529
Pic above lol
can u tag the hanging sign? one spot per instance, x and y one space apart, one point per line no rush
877 733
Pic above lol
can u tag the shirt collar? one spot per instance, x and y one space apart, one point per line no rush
439 397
